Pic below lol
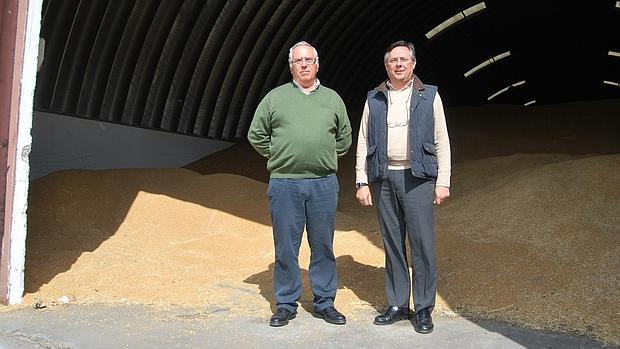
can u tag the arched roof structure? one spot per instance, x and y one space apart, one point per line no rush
200 67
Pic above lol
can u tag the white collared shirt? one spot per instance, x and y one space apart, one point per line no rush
310 90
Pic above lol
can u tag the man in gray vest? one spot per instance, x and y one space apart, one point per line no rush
403 152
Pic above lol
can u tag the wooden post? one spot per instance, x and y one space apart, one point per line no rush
17 82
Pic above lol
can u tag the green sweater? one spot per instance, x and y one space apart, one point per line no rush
301 135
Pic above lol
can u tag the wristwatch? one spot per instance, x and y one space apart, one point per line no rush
359 185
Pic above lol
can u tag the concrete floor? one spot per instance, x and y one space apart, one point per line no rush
131 326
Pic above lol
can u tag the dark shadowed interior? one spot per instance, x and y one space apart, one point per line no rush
200 67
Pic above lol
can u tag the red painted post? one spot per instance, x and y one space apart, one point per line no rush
12 31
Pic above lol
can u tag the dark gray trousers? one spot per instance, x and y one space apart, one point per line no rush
295 204
405 208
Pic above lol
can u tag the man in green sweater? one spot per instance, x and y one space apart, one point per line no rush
302 128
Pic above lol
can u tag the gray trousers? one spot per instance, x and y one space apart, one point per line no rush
405 209
296 204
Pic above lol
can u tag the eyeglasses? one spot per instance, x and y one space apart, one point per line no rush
394 61
309 61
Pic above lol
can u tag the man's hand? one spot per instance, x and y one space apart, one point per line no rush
441 194
363 196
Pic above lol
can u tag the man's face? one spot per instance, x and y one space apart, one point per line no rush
399 65
302 70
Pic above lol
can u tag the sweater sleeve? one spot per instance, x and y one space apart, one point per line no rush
343 135
259 133
442 144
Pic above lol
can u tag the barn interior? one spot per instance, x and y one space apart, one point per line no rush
144 189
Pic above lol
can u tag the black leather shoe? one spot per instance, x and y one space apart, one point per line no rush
281 317
331 315
391 315
423 322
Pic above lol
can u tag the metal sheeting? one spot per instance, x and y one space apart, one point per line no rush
200 67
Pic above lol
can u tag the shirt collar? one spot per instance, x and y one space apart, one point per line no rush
312 89
407 85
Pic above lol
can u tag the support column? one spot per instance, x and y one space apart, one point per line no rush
19 38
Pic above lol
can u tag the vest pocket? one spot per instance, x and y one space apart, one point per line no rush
429 160
429 148
372 163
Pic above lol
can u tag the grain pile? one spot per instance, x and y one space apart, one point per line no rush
531 239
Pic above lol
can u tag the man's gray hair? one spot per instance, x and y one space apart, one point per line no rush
301 43
400 43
